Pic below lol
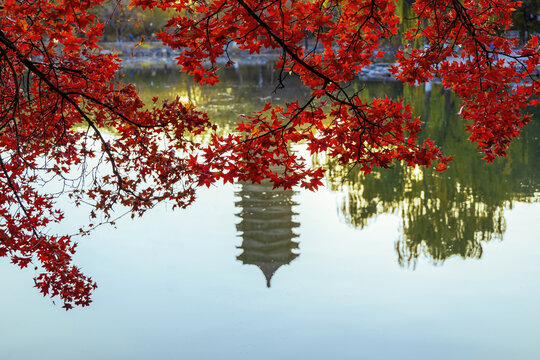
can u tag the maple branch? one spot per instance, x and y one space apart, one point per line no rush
287 49
15 191
31 66
16 87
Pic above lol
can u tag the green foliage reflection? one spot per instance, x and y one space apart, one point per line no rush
448 213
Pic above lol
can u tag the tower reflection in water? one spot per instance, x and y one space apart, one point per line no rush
266 227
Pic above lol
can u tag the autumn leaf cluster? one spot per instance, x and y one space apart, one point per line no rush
64 115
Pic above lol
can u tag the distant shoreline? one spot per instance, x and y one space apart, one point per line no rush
154 54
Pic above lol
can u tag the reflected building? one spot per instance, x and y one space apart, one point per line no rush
266 215
267 227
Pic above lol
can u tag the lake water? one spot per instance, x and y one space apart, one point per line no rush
402 264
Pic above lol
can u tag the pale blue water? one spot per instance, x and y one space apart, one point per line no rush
171 286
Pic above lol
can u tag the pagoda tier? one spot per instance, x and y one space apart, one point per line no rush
266 227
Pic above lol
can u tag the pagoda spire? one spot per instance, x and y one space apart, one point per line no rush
266 227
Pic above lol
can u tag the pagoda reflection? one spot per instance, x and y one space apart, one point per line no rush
267 227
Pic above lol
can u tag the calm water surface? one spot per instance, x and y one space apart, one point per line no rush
405 263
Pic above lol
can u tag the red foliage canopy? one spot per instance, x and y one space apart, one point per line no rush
64 116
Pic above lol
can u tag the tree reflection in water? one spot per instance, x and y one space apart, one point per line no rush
443 214
448 213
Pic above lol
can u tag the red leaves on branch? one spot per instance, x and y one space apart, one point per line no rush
64 117
67 127
467 49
